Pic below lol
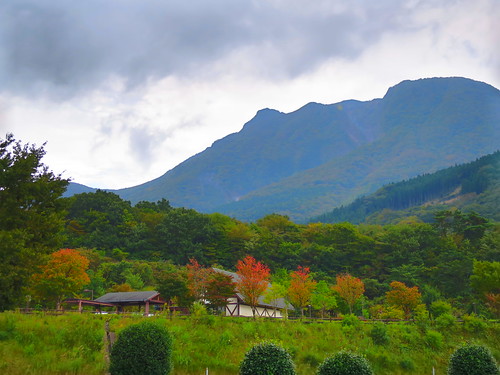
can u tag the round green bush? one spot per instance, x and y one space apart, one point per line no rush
445 321
144 348
345 363
267 359
472 360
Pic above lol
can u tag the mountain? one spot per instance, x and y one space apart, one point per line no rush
76 188
319 157
471 186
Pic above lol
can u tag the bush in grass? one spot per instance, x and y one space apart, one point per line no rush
434 340
345 363
445 321
407 364
474 324
439 308
267 359
472 360
350 320
379 334
143 348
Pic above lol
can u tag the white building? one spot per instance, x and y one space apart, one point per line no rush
238 307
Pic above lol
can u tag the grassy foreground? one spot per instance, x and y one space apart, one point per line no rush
74 344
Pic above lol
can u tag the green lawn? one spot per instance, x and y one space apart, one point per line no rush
75 344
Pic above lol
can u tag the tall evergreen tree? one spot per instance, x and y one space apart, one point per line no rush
31 215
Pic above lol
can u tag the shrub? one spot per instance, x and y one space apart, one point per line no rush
144 348
407 364
269 359
350 320
473 323
434 340
379 334
439 308
472 360
345 363
445 321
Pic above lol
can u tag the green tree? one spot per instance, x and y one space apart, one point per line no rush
323 298
273 294
31 216
485 277
172 283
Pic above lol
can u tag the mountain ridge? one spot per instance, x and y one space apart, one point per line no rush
324 155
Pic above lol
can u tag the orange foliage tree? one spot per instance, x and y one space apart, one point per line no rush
301 288
63 276
253 280
349 288
403 297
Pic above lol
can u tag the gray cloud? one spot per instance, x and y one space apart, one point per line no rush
62 47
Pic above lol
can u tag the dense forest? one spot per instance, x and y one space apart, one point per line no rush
437 257
477 180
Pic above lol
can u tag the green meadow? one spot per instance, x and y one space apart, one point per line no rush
76 343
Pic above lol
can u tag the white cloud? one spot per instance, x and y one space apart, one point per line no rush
104 132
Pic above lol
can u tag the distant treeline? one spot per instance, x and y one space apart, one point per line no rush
474 177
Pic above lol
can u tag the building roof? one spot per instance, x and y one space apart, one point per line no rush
280 303
129 297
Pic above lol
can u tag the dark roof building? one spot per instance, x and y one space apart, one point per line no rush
122 299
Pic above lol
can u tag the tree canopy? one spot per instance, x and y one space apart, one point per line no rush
31 215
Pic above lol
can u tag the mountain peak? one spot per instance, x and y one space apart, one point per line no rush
318 157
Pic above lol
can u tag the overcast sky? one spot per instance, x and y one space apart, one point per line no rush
124 90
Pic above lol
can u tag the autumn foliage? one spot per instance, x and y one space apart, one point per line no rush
253 280
197 279
301 288
349 288
220 288
64 275
403 297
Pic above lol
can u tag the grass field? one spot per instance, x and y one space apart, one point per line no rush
75 344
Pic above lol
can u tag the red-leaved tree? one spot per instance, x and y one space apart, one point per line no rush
253 280
64 275
301 288
197 276
220 288
349 288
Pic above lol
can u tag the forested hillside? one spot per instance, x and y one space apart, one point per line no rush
53 248
472 186
438 256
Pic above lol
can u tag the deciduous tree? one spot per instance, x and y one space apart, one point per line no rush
404 297
349 288
220 288
301 288
253 280
64 275
274 293
323 298
172 283
197 276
